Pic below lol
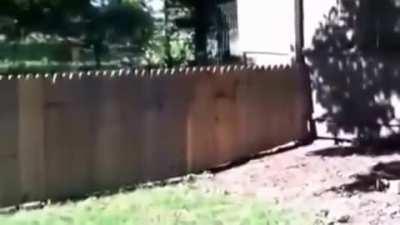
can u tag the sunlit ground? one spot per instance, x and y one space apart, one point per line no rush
171 205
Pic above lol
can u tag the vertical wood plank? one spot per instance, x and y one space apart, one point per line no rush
31 149
9 165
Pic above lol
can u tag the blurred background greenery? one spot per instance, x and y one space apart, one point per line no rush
49 35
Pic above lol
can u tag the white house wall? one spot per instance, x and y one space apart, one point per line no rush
266 26
314 12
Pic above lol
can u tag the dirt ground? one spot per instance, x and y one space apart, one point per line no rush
337 184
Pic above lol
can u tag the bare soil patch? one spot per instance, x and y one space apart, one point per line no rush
337 184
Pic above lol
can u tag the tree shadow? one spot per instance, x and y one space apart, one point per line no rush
371 181
355 70
378 147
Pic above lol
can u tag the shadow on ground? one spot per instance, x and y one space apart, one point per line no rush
369 182
379 147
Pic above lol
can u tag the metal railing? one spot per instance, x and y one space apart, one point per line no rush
247 53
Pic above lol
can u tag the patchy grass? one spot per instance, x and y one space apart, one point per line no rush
21 67
172 205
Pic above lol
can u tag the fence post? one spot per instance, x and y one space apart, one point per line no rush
302 70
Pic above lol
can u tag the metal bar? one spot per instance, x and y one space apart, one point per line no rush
299 30
359 123
266 53
302 68
246 53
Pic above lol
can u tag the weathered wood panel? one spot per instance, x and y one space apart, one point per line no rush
83 134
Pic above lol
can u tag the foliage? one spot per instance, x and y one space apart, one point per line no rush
354 74
94 24
127 30
206 20
175 51
169 46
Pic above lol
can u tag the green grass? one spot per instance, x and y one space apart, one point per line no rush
171 205
8 67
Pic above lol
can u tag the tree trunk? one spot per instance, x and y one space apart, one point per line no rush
203 11
168 33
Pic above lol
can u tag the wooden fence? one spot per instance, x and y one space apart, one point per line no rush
68 134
